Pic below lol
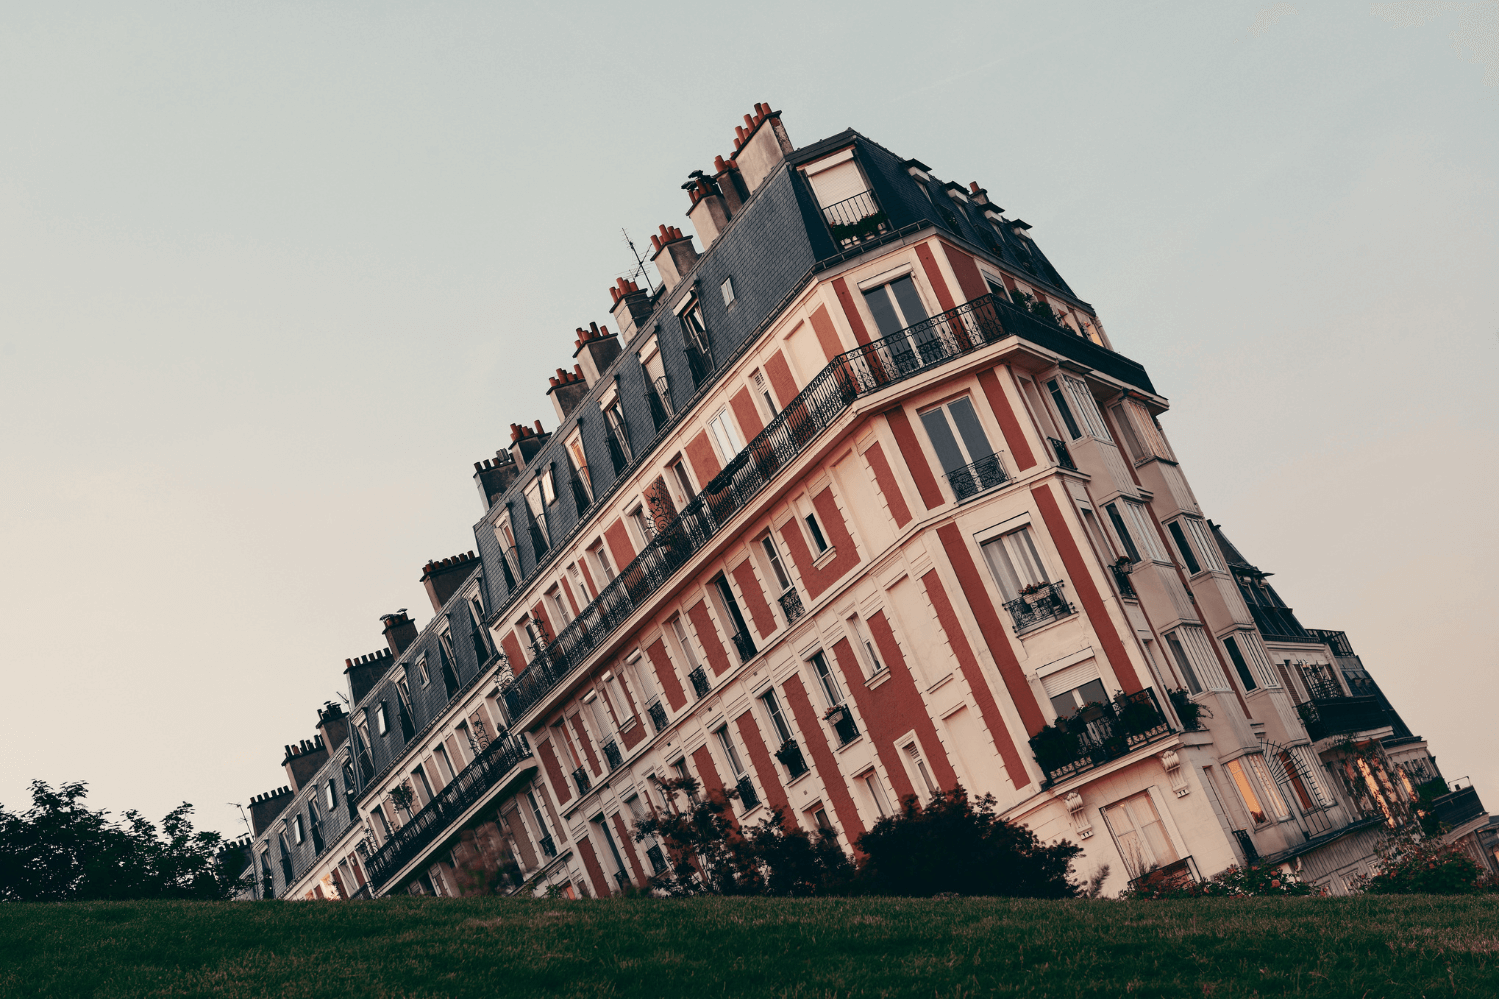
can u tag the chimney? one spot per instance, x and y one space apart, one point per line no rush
730 183
365 672
978 194
567 389
595 349
526 443
760 145
673 255
709 213
493 476
443 578
631 309
265 807
332 725
399 630
303 760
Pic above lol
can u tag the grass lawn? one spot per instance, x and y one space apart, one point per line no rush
1364 948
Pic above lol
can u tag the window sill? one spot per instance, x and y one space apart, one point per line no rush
878 679
798 778
850 743
629 724
824 558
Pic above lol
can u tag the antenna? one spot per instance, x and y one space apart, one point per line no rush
242 816
640 263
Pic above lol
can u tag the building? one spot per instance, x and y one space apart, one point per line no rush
860 503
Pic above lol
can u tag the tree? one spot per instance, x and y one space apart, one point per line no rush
962 846
60 850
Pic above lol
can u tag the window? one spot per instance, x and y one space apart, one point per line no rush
1240 666
1122 530
297 831
1133 528
730 607
871 782
422 672
330 795
959 441
695 328
861 636
580 462
727 290
997 288
895 306
684 481
1065 410
1180 655
1246 788
540 818
680 633
419 778
826 679
777 719
725 435
1015 563
815 531
444 764
1206 555
381 821
1140 834
773 556
1069 702
559 604
1188 559
763 390
619 437
536 502
601 722
382 721
602 558
913 753
820 816
729 752
645 527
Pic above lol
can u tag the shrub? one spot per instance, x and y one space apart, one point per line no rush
1253 881
953 844
1424 867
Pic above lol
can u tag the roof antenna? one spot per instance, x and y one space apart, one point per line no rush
640 264
242 816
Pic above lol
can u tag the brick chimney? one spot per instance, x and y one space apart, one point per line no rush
631 309
730 183
442 578
710 210
526 443
567 389
303 760
760 145
264 808
332 725
399 631
493 476
673 254
979 195
365 672
594 350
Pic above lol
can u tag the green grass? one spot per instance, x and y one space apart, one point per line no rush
1364 948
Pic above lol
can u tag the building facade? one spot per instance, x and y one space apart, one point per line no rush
860 503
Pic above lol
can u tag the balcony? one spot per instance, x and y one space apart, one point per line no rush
1174 876
747 796
657 859
790 755
1457 807
970 480
1098 734
548 846
848 377
658 715
1331 716
856 220
1125 585
745 645
699 678
1045 603
843 724
504 763
1064 456
612 755
791 606
580 778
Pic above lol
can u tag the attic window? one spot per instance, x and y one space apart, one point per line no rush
727 288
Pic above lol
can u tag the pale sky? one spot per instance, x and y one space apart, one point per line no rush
274 275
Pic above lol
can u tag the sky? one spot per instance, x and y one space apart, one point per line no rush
274 275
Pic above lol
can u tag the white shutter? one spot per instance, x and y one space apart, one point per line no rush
1195 641
838 183
1070 677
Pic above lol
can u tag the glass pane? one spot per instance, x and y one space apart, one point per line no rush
967 422
999 565
1093 692
883 310
942 440
909 301
1246 791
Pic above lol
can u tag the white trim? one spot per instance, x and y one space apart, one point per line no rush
1003 527
829 161
885 277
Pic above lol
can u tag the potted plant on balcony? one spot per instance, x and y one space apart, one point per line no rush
1055 746
1138 716
790 756
402 796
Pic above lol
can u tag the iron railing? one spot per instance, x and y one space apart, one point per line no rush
1034 609
1457 807
617 455
1124 583
699 679
745 645
851 375
1064 456
747 796
622 878
791 606
1330 716
612 755
790 755
856 220
842 720
580 778
699 365
1099 733
660 414
657 859
1246 845
1176 875
548 845
501 759
972 479
658 715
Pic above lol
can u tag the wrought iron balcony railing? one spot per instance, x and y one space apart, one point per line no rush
1331 716
791 605
850 376
499 761
745 645
970 480
612 755
699 680
580 778
1099 733
1124 583
747 796
1032 610
1064 456
1457 807
548 845
657 859
657 711
856 220
842 720
790 755
1177 874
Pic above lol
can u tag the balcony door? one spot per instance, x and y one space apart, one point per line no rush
959 440
1015 563
1140 834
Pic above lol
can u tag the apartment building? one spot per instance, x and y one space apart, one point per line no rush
860 503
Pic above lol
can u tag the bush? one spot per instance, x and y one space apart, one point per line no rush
956 845
1251 882
1425 867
